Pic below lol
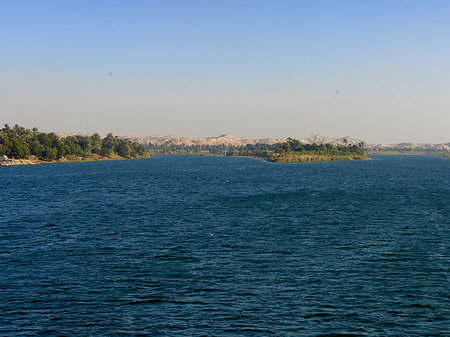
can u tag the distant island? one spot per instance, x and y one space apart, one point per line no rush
19 145
291 150
316 148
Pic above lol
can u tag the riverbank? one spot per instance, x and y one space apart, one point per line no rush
32 160
13 162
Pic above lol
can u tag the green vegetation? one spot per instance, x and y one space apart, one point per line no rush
290 151
21 143
294 151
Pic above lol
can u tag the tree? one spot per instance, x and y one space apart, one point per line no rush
58 146
18 151
44 139
109 142
123 150
96 142
49 153
361 145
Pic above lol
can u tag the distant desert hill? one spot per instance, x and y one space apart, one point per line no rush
222 139
228 139
328 140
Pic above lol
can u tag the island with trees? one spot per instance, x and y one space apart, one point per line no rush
19 145
290 151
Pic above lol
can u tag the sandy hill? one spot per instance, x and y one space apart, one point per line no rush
228 139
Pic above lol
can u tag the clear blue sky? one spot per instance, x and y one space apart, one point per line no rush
375 70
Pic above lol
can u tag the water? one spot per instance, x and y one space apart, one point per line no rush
213 246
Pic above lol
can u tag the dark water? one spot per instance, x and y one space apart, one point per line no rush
208 246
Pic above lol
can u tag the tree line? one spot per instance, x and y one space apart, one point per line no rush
19 143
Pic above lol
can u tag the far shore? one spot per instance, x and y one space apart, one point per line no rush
406 153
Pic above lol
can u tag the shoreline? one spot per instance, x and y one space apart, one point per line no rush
20 162
15 162
405 153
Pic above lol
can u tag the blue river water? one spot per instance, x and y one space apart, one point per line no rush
216 246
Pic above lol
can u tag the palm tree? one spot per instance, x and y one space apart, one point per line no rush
361 145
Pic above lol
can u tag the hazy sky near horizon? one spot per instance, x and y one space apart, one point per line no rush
378 70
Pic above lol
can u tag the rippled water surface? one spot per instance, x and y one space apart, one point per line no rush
212 246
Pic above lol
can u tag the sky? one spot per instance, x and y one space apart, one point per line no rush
377 70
